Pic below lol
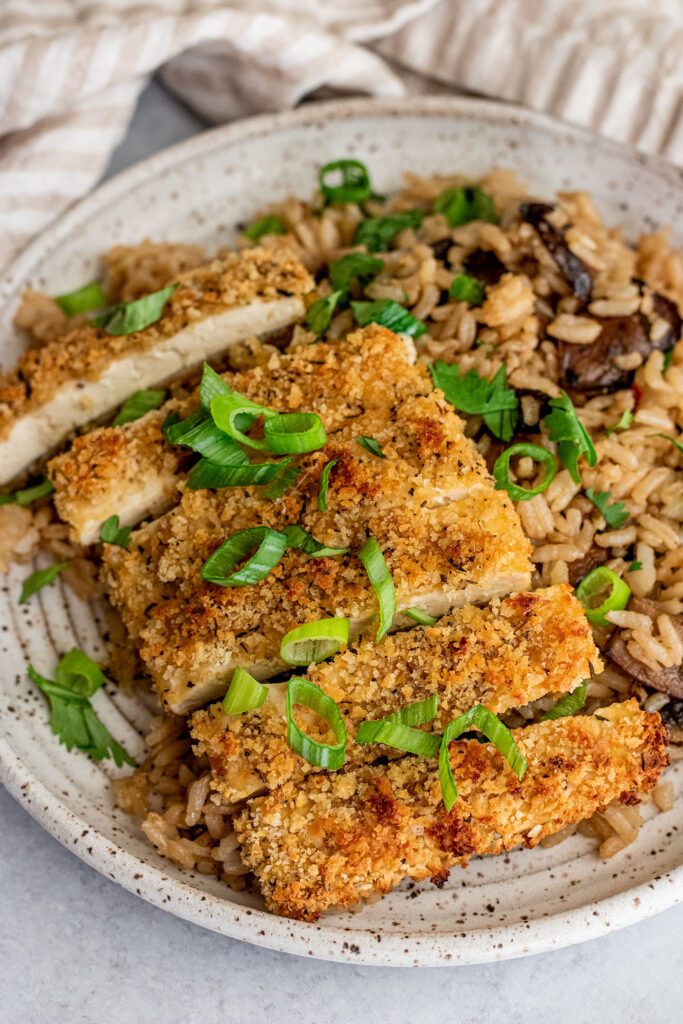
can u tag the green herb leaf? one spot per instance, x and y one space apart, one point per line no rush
475 395
615 515
668 356
265 548
354 186
110 533
674 442
485 721
501 470
371 445
319 313
382 583
571 436
271 224
42 578
27 495
624 422
356 264
82 300
567 705
462 205
377 233
244 693
635 567
467 289
388 313
308 695
299 538
79 673
324 484
138 405
314 641
423 618
128 317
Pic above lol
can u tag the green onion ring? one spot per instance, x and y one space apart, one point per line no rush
314 641
423 618
485 721
244 694
355 185
501 470
402 737
567 705
232 412
324 484
382 583
292 433
322 755
593 584
265 548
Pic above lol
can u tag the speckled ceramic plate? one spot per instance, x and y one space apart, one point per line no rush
527 902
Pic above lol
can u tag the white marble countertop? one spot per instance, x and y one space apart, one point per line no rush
77 949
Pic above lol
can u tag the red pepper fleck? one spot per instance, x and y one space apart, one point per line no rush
637 394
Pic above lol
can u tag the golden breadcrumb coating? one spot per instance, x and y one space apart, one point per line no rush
503 656
342 836
85 352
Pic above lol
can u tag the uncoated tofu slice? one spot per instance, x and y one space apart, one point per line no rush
86 373
503 656
343 836
133 472
448 538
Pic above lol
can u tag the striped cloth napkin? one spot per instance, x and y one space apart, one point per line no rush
71 71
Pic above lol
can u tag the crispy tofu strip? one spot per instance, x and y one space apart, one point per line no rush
87 372
343 836
133 472
443 550
503 656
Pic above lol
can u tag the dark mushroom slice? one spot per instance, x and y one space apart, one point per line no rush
440 248
667 680
580 567
485 266
591 367
573 269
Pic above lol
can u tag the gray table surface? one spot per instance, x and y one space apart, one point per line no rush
77 949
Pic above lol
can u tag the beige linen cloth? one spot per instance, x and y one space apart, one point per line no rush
71 71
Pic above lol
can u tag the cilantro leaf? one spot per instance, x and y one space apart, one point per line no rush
319 313
475 395
570 434
42 578
271 224
623 424
110 533
615 515
467 289
372 445
377 233
128 317
354 264
635 567
462 205
388 313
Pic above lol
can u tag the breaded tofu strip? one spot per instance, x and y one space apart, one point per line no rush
86 373
442 550
502 656
342 836
133 472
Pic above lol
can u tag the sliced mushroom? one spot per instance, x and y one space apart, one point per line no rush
573 269
485 266
667 680
580 567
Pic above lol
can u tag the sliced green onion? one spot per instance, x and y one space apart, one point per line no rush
424 618
271 224
674 442
388 313
233 414
595 584
82 300
314 641
567 705
322 755
301 539
128 317
377 233
485 721
111 533
265 548
668 356
282 482
382 583
200 433
292 433
462 205
212 384
139 403
372 445
208 475
355 184
501 470
28 495
79 673
467 289
402 737
355 264
418 713
319 313
324 484
244 694
42 578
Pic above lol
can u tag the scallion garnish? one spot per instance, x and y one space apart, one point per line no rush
593 586
271 224
354 186
485 721
324 484
282 482
355 264
112 533
501 470
674 442
467 289
207 475
27 495
138 405
372 445
423 618
475 395
388 313
265 548
567 705
128 317
299 538
615 515
319 313
200 433
314 641
571 436
212 384
234 413
462 205
382 583
397 730
292 433
322 755
42 578
82 300
668 356
377 233
244 693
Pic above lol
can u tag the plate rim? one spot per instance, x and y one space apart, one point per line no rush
185 900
